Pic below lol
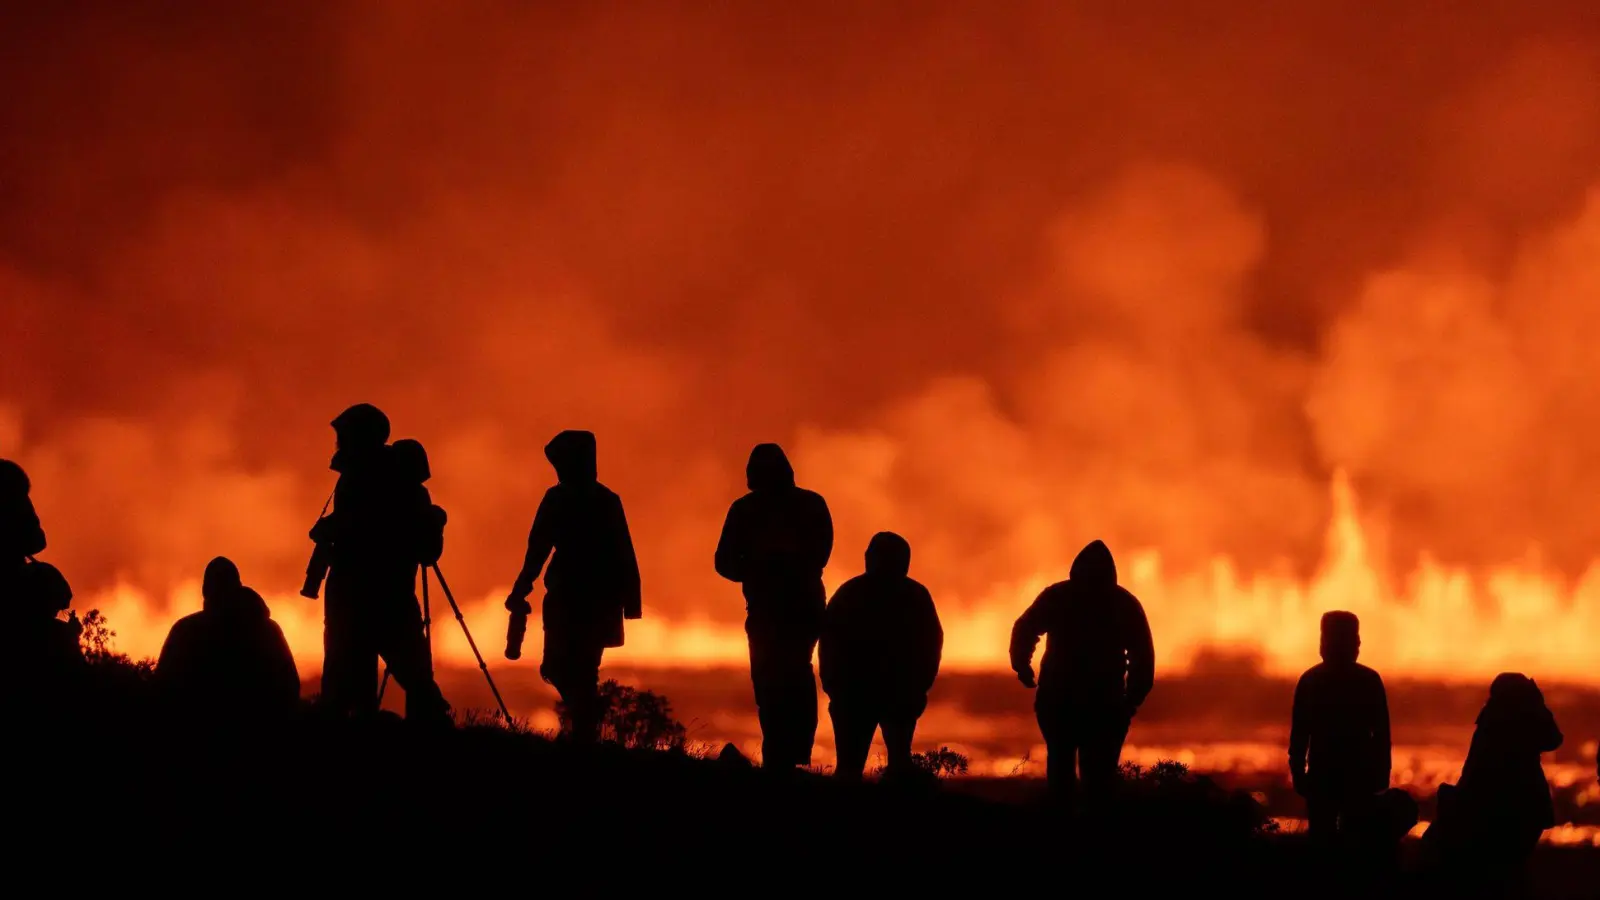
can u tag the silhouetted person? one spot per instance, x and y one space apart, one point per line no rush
381 529
592 584
21 537
1099 665
229 662
39 653
1339 748
21 534
880 648
1491 822
776 541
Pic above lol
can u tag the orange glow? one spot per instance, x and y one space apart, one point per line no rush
1295 310
1443 624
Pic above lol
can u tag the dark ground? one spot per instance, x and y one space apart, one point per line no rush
116 794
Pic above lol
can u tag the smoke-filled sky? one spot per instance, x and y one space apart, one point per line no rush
1002 277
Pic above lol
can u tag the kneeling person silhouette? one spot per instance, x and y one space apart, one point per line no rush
591 586
879 654
40 657
229 662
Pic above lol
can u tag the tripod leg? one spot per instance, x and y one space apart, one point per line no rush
427 614
427 624
504 713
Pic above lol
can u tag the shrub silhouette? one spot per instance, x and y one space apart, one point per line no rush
634 718
943 762
1171 796
94 634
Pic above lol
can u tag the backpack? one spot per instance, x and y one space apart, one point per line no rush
430 542
41 587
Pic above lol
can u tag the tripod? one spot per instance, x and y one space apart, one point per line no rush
427 635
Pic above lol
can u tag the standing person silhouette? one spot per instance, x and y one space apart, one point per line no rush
1339 745
1098 668
375 538
775 543
592 584
880 650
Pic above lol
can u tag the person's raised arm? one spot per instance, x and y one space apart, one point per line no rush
1025 634
541 540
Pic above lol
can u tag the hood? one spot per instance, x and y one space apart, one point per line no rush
360 432
1513 697
888 554
250 603
572 454
1094 564
221 584
768 469
412 460
13 480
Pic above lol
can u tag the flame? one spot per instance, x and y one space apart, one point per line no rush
1444 623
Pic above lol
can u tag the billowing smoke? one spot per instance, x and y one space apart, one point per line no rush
1004 277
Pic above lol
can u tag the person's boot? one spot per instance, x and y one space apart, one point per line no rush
429 709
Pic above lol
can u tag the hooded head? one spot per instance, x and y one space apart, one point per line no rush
412 460
221 585
1095 565
359 432
768 469
572 454
1341 636
13 480
888 554
1513 697
1513 689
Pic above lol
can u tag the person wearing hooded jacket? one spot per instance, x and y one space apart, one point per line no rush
22 538
775 543
229 661
1490 821
879 655
39 654
1098 668
591 585
374 542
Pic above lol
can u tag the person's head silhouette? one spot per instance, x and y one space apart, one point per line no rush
889 555
1341 636
768 469
222 583
13 481
361 427
573 455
